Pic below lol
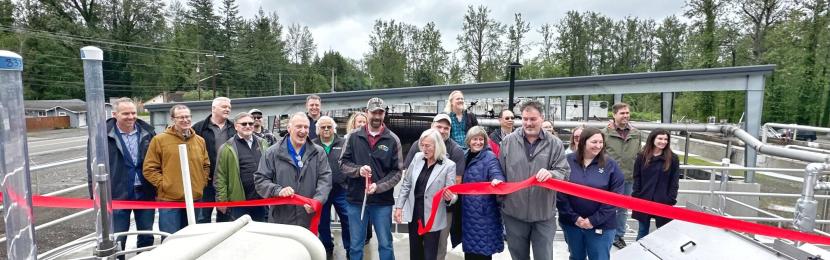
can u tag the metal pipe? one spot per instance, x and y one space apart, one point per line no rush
799 127
806 207
739 168
748 139
14 161
98 161
724 179
751 194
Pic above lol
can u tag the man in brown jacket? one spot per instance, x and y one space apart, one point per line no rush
163 169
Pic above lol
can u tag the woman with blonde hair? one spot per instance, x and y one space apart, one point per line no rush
357 120
429 172
461 120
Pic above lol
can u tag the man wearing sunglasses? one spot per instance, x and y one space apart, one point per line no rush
333 145
259 128
238 160
505 126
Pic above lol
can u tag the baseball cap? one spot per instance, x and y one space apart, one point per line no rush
440 117
255 111
374 103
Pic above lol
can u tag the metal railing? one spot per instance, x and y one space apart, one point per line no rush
719 197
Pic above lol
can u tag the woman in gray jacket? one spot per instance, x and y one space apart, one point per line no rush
429 172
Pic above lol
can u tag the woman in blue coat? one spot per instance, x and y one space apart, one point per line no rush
481 229
656 178
590 226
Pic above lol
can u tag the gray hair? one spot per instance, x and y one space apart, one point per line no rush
532 104
298 114
440 148
326 118
474 132
242 115
119 101
220 99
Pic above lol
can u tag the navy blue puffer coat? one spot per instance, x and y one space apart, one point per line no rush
481 226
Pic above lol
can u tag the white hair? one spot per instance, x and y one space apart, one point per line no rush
326 118
217 100
440 148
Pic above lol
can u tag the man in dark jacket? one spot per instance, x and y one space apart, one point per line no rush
505 126
216 129
259 128
441 123
313 111
128 138
372 152
333 145
294 166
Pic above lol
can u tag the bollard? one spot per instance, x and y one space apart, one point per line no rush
98 160
14 160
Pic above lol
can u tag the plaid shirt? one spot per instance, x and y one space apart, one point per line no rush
458 132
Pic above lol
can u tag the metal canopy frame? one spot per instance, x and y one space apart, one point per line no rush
745 78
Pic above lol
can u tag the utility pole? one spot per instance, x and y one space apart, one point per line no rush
198 76
332 79
295 87
280 86
216 73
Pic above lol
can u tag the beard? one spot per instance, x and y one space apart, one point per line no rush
375 122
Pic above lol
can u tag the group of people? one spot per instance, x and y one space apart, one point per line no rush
356 174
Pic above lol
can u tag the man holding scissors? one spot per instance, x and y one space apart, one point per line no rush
373 153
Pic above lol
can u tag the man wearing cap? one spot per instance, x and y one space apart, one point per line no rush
374 153
442 123
259 129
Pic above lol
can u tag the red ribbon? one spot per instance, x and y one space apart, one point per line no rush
74 203
619 200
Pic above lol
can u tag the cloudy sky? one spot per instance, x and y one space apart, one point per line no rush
344 25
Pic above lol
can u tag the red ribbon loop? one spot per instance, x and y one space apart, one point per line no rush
619 200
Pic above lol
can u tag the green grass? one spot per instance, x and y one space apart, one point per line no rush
694 160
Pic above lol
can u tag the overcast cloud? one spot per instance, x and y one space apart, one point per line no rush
344 25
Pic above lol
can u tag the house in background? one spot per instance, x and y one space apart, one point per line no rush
75 109
165 97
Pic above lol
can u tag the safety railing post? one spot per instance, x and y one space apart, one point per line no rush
98 161
14 161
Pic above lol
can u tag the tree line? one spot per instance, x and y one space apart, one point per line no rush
155 46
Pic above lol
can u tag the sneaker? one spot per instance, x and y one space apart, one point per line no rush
619 243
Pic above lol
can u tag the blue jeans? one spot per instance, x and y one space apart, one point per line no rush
257 213
584 243
203 214
381 217
143 221
622 213
337 197
172 220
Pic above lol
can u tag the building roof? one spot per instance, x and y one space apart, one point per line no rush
74 105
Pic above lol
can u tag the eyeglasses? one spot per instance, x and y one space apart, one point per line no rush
246 123
325 127
257 117
185 117
508 118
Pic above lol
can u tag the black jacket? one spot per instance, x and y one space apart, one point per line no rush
202 128
385 160
652 183
122 184
337 177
